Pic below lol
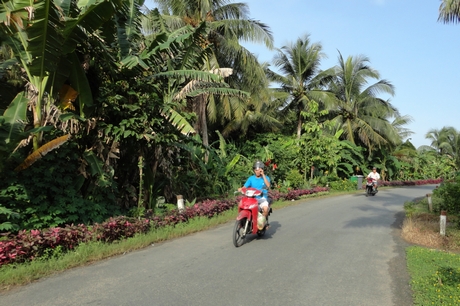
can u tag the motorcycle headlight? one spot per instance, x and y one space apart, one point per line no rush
250 193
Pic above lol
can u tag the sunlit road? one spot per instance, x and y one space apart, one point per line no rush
342 250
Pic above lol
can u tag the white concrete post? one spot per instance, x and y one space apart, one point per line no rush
430 203
442 222
180 203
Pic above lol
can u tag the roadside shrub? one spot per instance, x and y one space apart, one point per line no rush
50 194
409 208
410 183
28 245
295 179
297 194
120 227
449 192
343 185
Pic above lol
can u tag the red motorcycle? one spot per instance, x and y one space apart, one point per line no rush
370 187
249 220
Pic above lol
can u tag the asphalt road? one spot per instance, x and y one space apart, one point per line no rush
342 250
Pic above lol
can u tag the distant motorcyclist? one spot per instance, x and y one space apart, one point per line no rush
261 182
375 176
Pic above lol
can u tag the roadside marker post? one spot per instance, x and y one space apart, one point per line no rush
180 203
430 203
443 221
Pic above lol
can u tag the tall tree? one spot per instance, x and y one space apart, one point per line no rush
359 112
300 76
230 24
441 139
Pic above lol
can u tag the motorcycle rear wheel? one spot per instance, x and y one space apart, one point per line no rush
238 232
260 233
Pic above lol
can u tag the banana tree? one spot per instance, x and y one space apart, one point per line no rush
44 35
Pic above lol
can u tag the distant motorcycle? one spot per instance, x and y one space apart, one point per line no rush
370 187
249 220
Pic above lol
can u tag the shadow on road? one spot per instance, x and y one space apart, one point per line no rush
386 200
274 226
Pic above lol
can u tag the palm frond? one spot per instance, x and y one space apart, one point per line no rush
177 120
449 11
42 151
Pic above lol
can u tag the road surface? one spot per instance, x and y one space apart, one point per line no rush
343 250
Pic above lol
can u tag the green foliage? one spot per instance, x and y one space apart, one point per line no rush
434 276
436 202
409 208
6 219
12 125
449 192
343 185
280 150
426 165
318 150
48 193
137 212
295 179
351 157
223 171
52 253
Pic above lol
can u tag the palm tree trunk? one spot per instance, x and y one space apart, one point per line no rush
201 125
299 126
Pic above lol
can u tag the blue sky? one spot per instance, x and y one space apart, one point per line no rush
402 39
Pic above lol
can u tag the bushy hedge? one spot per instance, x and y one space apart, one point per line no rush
410 183
343 185
449 193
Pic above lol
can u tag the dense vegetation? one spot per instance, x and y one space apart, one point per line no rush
107 107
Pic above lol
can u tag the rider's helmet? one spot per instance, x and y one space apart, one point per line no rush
258 164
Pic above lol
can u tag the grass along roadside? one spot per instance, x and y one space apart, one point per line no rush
435 276
433 260
20 274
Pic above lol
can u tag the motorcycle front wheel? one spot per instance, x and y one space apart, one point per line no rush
238 232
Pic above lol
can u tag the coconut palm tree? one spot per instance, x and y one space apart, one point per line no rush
261 111
441 140
360 113
449 11
300 77
446 141
229 24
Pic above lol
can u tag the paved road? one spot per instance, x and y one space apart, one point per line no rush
334 251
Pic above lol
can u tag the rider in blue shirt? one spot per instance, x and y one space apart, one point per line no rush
261 182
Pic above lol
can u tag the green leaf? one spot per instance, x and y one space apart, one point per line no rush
95 164
16 112
80 83
177 120
13 121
